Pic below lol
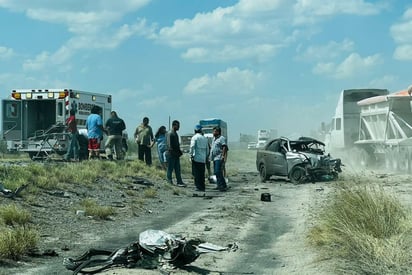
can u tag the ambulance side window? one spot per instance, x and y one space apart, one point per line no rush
12 110
60 109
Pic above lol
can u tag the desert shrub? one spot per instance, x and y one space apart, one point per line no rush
12 215
17 238
17 242
150 193
91 208
366 227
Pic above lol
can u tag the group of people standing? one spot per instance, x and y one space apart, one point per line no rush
168 146
169 153
201 152
113 128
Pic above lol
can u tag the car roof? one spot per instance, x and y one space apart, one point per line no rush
301 140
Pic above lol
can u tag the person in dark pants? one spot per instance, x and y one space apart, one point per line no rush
145 140
73 151
173 155
199 151
218 155
114 127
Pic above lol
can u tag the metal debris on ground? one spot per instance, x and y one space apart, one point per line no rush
9 193
155 249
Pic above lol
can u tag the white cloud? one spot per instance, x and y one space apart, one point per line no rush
127 94
6 53
12 81
384 82
108 40
310 11
402 35
91 22
230 52
353 65
243 31
233 81
329 51
153 102
37 63
403 52
78 15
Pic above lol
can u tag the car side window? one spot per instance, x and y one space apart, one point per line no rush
274 146
283 148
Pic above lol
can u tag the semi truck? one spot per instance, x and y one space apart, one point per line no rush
185 142
208 125
33 120
373 127
262 138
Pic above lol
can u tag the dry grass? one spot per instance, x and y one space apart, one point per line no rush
17 238
13 215
367 228
16 242
150 193
91 208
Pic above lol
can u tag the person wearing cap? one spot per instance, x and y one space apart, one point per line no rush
199 151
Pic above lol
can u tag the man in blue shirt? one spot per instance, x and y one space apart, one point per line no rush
94 126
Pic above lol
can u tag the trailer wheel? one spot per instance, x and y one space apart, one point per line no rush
297 175
37 155
262 173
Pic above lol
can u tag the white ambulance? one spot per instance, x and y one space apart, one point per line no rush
33 121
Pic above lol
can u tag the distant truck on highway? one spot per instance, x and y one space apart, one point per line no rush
209 124
262 138
33 120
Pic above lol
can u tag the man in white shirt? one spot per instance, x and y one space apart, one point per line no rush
199 151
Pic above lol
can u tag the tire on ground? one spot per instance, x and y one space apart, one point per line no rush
262 173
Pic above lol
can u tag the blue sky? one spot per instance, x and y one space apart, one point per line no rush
258 64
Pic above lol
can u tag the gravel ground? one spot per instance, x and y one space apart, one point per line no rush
269 236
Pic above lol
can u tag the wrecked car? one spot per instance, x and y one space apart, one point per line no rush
301 160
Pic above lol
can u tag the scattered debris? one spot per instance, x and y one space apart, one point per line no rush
61 194
142 181
50 252
155 248
265 197
11 194
208 247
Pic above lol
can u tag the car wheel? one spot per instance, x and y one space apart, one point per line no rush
297 175
262 172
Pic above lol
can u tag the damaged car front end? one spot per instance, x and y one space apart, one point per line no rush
301 160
